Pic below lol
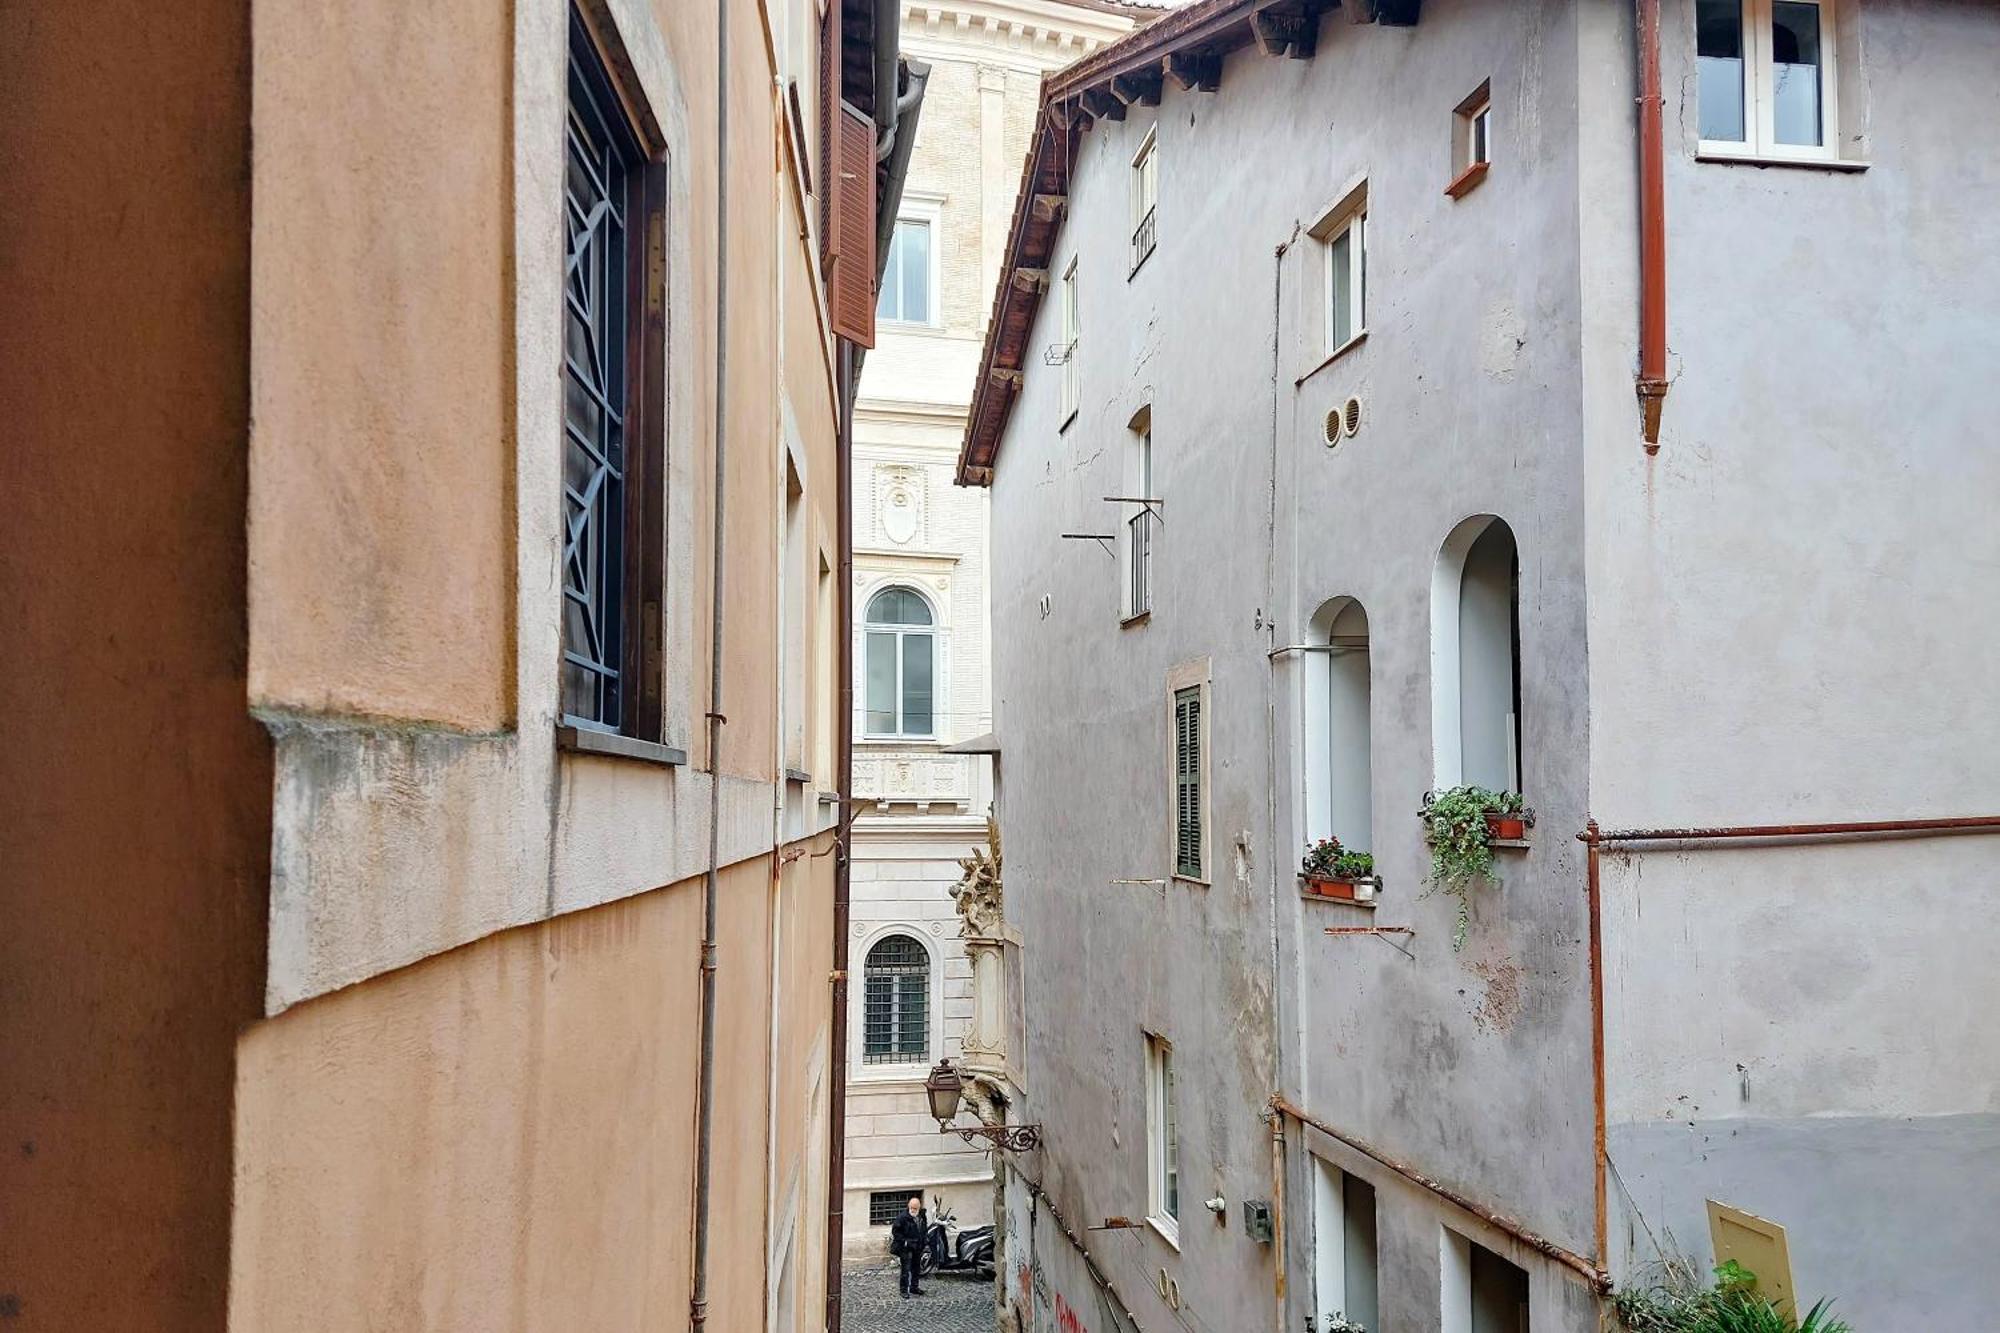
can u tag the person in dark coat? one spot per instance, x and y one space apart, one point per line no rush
907 1239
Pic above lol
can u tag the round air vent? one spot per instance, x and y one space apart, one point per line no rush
1330 429
1350 415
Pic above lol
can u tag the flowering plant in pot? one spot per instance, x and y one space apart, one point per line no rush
1331 871
1460 825
1340 1323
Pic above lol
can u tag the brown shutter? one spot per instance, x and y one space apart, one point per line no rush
851 279
828 117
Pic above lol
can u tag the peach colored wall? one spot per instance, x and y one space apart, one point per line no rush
134 788
502 1136
381 523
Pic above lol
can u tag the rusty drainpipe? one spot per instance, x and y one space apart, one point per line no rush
836 1142
1652 384
1600 1159
705 1100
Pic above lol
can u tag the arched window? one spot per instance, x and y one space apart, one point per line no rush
902 664
1476 657
896 1006
1339 796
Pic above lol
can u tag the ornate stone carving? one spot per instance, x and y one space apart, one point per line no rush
977 894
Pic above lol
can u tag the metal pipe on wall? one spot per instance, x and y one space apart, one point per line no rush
1596 839
836 1148
1652 383
705 1102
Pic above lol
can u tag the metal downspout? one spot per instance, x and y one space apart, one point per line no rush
1278 1041
836 1147
1652 384
705 1104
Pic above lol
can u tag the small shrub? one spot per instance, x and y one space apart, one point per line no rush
1455 823
1327 859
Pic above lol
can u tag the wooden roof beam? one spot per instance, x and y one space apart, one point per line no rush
1138 88
1278 34
1194 71
1389 13
1102 105
1034 280
1049 207
1005 378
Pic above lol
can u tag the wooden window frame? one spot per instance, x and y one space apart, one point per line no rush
1471 141
636 727
1163 1173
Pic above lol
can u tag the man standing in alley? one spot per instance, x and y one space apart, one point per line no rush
907 1239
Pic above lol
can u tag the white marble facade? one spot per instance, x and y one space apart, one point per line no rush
923 809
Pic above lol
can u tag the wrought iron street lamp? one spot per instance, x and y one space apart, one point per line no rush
945 1087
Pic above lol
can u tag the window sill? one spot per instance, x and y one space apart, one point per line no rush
873 739
881 1075
1716 153
1333 356
798 777
1136 619
1193 880
612 745
1468 180
1167 1230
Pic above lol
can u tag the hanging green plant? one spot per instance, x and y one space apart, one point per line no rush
1455 823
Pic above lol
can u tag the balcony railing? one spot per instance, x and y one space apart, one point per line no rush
1142 239
1141 549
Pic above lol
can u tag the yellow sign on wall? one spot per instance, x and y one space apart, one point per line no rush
1757 1245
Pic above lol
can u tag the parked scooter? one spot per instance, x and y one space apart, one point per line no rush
968 1253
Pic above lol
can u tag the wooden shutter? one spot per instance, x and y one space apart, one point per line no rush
851 277
828 114
1187 782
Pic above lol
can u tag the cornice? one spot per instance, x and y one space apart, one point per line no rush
1039 35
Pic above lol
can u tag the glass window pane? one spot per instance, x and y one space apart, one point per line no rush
1795 74
898 606
1719 51
916 684
916 239
881 684
1340 289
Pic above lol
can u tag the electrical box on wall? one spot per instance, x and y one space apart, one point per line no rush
1257 1220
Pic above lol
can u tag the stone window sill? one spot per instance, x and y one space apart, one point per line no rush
612 745
1713 154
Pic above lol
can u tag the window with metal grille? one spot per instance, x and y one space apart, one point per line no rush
896 1003
602 284
885 1206
1187 782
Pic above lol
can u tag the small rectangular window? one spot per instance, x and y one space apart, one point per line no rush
906 278
1344 1249
1766 77
1071 332
1163 1171
1145 199
1346 282
1471 141
885 1206
1188 813
1139 525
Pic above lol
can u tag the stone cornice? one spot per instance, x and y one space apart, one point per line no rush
1037 35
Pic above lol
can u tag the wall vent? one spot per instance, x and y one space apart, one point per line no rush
1350 414
1330 430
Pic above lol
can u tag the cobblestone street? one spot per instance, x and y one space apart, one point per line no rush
870 1304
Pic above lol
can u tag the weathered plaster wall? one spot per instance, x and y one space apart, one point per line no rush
1470 398
134 789
1792 620
484 831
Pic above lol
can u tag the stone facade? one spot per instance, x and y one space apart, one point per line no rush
922 809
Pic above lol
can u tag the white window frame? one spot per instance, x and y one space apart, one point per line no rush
1348 216
925 212
935 631
858 1067
1072 384
1163 1200
1139 518
1759 95
1145 195
1191 676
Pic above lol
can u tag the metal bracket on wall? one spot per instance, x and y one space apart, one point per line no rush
1159 884
1103 539
1152 507
1379 932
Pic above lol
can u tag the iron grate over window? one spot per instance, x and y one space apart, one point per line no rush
885 1206
597 353
895 1021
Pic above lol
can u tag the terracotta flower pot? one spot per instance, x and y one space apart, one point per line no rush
1505 828
1330 888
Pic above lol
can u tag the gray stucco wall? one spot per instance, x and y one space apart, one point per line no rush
1793 618
1787 614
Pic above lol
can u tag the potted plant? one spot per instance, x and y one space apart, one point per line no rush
1461 825
1331 871
1340 1323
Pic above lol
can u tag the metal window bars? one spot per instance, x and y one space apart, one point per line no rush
895 1021
1143 239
